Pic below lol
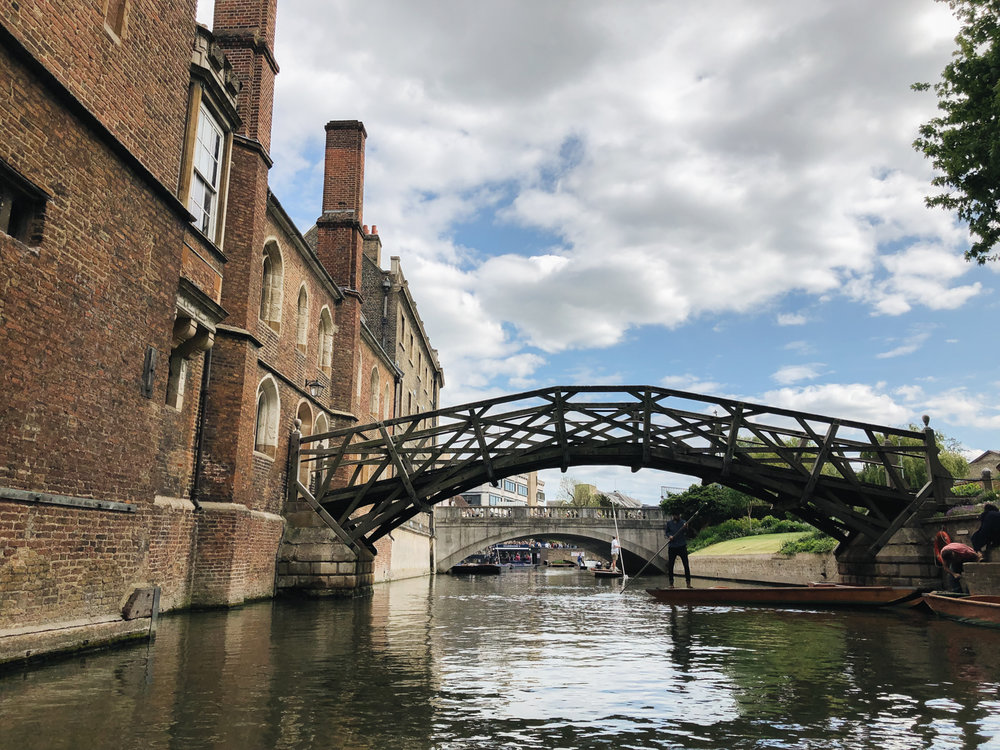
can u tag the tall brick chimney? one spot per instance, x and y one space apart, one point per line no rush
245 30
339 231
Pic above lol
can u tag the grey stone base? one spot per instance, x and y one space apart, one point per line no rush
30 644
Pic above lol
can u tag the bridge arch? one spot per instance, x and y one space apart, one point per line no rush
461 532
840 475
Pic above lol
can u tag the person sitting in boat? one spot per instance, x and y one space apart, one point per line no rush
676 533
954 556
987 536
616 550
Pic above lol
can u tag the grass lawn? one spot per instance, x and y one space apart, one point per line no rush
751 545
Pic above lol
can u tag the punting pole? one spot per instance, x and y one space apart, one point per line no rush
657 554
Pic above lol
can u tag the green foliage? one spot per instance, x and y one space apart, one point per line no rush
717 503
914 468
963 142
815 542
581 495
966 490
735 528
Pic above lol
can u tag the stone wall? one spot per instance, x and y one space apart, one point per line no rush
797 569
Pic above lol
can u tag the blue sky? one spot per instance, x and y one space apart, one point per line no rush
718 197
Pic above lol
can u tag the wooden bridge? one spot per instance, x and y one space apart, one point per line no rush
840 475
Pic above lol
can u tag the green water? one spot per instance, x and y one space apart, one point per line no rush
542 659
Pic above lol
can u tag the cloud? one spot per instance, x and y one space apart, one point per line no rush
792 319
680 163
691 384
794 373
912 344
857 401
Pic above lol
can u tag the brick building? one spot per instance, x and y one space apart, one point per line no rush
163 324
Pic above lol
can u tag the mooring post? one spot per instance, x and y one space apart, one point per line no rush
941 481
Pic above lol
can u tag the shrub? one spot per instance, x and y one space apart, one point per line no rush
966 490
815 542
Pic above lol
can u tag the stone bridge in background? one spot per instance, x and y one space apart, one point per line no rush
460 532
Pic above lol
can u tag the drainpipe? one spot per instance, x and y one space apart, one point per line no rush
206 376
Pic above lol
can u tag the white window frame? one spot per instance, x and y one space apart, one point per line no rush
207 167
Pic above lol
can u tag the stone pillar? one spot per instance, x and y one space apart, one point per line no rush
312 561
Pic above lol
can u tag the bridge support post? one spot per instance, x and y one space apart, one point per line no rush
312 560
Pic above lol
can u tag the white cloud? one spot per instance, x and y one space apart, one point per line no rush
682 162
792 319
910 345
856 401
794 373
691 384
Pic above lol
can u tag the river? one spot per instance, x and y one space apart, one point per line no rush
530 659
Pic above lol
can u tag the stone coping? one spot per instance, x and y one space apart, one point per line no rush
19 645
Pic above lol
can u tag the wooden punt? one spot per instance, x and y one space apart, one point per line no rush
792 596
483 569
603 573
980 609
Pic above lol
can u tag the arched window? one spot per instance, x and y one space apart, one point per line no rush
303 323
374 393
304 415
268 412
271 287
325 359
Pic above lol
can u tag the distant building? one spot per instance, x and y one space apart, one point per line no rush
987 461
517 490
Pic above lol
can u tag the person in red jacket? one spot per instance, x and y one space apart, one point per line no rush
954 556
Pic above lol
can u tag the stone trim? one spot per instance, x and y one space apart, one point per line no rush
81 503
173 503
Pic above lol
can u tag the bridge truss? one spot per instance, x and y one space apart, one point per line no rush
845 477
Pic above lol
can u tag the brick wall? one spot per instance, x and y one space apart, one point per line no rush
136 85
78 312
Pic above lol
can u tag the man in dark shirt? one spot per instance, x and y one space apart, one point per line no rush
987 535
676 532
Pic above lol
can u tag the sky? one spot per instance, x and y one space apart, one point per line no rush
719 197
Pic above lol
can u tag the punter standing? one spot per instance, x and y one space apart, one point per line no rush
677 546
616 550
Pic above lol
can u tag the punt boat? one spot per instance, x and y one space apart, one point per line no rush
822 595
980 609
605 573
483 569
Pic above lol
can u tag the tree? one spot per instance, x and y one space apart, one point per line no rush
581 494
963 142
717 502
914 468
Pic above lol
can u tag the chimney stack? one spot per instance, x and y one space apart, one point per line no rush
340 233
245 30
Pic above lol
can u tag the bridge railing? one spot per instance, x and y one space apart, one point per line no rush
515 513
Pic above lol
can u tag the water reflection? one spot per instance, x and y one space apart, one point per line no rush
546 659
